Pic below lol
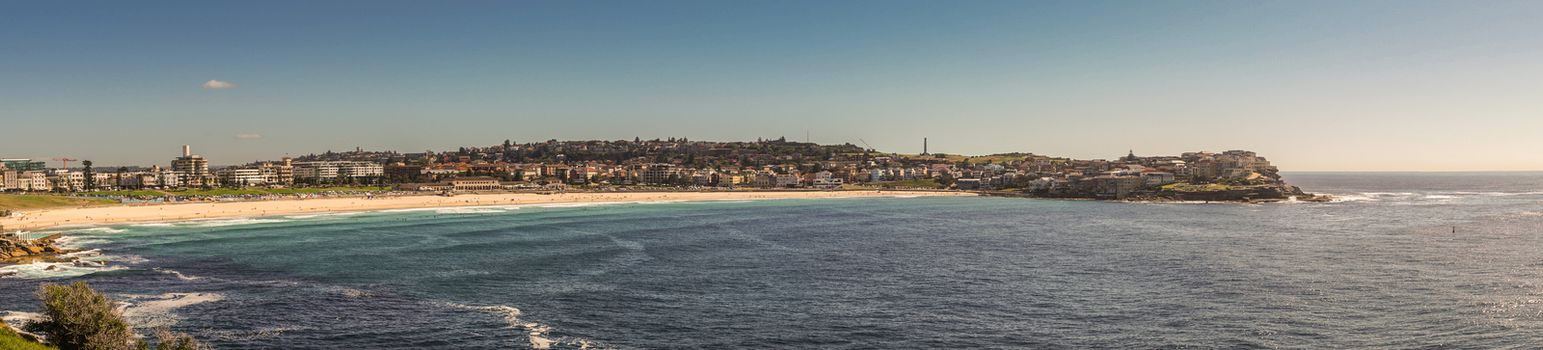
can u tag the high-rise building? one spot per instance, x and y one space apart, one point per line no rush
191 168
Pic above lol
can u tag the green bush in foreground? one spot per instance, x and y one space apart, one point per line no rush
79 318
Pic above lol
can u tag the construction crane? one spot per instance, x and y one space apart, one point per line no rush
66 161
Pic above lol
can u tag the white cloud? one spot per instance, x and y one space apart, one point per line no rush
219 85
249 136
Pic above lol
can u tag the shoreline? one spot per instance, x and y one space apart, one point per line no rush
94 216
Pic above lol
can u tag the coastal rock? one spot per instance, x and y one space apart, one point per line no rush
19 251
1251 193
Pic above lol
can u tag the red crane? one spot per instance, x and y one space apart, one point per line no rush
66 161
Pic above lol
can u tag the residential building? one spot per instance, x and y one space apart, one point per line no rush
786 180
282 173
242 177
35 180
168 178
66 180
8 180
825 179
325 171
193 169
657 174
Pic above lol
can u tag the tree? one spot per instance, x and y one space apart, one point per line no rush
119 176
90 175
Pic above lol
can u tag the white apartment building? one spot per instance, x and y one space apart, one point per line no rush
168 179
33 181
241 177
325 170
786 180
657 174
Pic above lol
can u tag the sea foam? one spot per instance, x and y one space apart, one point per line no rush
46 270
178 274
322 215
234 222
537 333
157 310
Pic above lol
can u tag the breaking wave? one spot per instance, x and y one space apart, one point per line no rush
97 230
472 210
178 274
672 201
234 222
538 334
46 270
77 242
322 215
1352 198
157 310
1435 196
579 204
489 209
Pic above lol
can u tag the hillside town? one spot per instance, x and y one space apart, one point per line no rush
677 164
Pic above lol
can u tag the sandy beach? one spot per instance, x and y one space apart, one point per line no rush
125 214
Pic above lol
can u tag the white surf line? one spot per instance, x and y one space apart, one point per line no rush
537 333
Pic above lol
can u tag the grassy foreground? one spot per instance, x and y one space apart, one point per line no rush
30 201
9 340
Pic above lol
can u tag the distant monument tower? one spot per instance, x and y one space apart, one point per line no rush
924 146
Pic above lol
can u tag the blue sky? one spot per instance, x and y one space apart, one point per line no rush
1332 85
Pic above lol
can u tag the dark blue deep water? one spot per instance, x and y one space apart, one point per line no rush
1381 267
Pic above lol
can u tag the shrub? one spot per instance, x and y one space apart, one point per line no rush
79 318
165 339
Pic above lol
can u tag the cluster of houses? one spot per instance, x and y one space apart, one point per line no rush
672 163
187 171
1131 174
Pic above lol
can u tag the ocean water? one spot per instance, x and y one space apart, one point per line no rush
1399 261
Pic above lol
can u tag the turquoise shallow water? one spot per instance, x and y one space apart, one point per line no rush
1381 268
